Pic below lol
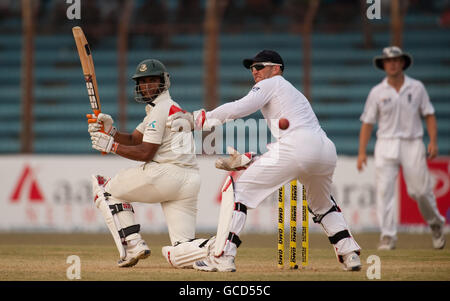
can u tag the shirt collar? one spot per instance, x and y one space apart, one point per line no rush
163 96
407 82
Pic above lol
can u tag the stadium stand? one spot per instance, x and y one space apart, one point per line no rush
342 75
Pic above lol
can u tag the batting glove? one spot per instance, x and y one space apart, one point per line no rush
235 161
186 121
101 122
103 142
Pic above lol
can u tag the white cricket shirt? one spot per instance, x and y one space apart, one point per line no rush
398 113
175 147
276 98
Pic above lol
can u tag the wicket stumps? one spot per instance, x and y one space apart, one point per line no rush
281 227
292 227
305 230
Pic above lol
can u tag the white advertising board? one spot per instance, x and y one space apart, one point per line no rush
53 193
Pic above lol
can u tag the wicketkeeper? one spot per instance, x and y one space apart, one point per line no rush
302 151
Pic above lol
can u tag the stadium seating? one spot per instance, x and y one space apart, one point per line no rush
342 75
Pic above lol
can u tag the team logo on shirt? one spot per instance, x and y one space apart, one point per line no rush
152 124
385 101
255 89
409 98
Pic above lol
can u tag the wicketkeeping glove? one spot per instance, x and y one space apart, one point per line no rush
102 120
186 121
235 161
103 142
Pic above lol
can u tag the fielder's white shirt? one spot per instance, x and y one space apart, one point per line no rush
175 147
276 98
398 113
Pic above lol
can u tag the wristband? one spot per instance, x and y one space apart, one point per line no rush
114 147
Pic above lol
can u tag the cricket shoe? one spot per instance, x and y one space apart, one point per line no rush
387 243
351 262
216 264
140 250
437 235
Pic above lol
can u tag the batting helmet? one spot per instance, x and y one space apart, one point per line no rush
150 68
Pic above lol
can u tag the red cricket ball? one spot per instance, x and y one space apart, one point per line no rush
283 123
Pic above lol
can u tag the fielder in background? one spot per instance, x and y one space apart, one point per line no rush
169 174
397 104
302 151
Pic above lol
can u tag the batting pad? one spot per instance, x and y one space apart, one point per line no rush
225 216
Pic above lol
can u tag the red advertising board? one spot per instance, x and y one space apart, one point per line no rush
440 170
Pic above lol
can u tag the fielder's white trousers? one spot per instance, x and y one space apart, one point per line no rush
175 187
304 155
307 155
410 154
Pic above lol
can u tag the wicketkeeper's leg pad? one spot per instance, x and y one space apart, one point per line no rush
336 228
232 219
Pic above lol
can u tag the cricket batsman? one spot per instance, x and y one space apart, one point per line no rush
168 174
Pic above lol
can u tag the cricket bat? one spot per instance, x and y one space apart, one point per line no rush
87 64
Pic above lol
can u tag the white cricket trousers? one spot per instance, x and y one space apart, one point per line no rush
307 155
410 154
175 187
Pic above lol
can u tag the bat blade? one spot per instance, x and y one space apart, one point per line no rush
87 64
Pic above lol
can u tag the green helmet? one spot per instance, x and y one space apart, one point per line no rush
147 68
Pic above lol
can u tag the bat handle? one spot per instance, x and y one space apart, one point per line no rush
102 130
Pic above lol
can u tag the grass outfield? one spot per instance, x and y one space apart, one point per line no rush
30 257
